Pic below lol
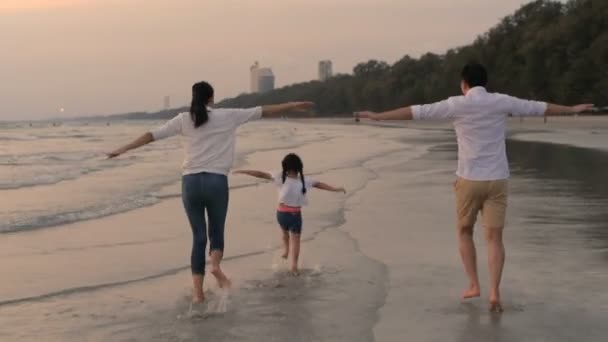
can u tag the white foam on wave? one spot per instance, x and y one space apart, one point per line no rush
222 303
58 218
216 303
48 170
18 137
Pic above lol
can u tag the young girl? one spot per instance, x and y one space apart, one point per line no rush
292 197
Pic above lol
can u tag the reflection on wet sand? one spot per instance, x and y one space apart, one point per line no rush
579 173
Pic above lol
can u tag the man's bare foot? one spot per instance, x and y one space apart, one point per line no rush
222 281
471 292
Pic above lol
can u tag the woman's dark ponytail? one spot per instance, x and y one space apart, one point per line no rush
202 93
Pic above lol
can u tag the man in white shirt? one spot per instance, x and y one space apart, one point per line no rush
480 120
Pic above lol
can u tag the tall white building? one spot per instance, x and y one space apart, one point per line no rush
265 80
325 70
254 69
261 79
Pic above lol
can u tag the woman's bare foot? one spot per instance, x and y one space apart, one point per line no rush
294 271
198 298
222 281
495 305
472 292
285 254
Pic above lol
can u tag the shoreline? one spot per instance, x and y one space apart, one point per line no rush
382 252
95 263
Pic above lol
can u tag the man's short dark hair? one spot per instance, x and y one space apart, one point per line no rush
475 75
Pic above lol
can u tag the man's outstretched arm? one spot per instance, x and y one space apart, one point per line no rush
554 109
520 107
435 111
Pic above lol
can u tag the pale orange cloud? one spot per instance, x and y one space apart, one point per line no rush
16 5
111 56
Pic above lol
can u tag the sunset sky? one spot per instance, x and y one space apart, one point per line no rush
110 56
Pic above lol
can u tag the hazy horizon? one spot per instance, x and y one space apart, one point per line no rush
95 57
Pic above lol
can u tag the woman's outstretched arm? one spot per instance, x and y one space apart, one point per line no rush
278 109
170 128
328 187
139 142
404 113
253 173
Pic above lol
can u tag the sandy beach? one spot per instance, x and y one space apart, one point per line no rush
103 255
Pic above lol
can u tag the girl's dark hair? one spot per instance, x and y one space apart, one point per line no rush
202 92
293 163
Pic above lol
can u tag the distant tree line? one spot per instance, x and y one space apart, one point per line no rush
160 115
546 50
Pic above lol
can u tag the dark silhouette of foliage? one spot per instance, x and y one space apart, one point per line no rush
546 50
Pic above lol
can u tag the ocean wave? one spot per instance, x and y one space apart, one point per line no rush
116 206
65 136
89 288
24 137
43 159
24 179
96 287
82 214
33 135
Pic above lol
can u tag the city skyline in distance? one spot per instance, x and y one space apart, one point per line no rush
261 79
103 57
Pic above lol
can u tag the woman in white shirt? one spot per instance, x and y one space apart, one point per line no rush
208 138
293 187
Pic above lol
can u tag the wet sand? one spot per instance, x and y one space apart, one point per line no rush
379 264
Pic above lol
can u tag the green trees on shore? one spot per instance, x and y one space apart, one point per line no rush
546 50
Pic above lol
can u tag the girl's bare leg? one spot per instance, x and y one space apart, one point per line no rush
294 242
285 236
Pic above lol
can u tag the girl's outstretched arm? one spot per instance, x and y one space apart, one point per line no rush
253 173
328 187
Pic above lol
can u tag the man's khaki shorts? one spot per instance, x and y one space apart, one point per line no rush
489 197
